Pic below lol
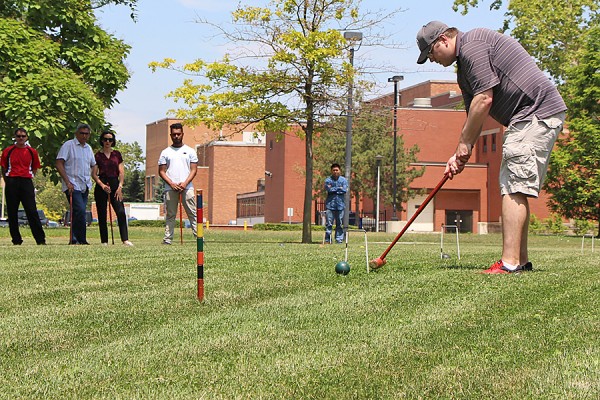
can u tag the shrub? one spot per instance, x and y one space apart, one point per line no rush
284 227
535 225
150 223
582 226
555 224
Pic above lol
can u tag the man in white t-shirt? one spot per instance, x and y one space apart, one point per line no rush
177 166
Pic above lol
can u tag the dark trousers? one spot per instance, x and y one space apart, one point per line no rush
101 198
20 190
79 223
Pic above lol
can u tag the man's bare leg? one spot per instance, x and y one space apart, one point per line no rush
515 218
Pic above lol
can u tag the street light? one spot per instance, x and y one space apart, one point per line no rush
378 159
395 79
352 38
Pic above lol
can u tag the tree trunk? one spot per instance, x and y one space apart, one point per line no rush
307 214
308 143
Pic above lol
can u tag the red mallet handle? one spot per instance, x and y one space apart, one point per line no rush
380 262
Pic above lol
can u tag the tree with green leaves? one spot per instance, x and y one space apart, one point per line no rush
574 175
371 136
57 68
49 197
292 67
133 161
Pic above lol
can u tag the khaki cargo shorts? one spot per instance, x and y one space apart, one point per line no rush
526 151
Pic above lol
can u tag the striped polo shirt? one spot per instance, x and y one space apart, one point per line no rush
487 59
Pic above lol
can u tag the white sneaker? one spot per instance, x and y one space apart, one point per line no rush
127 243
104 244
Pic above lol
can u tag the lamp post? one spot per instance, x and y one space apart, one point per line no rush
395 79
352 38
378 159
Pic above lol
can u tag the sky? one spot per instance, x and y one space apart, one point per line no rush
169 29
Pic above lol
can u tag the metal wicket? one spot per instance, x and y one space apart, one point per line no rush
444 227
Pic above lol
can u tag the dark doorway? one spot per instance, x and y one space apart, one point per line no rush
461 218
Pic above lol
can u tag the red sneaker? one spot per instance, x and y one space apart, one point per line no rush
499 268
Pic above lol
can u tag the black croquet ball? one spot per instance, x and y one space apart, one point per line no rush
342 268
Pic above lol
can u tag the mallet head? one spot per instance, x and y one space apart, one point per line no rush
376 263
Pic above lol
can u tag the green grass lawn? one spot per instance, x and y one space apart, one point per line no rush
277 322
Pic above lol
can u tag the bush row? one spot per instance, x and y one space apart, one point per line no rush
554 225
284 227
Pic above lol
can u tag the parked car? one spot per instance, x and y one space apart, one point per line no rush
53 224
3 223
22 217
67 218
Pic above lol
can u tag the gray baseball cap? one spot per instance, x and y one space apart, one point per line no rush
427 35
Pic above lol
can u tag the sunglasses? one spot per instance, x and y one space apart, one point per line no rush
430 54
108 139
83 133
20 136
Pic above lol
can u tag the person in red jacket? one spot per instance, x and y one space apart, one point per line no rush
19 164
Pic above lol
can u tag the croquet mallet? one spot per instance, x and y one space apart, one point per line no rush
112 235
71 218
180 218
380 262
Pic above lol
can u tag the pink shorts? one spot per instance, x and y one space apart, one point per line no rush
526 152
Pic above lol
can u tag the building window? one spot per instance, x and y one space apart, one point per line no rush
485 144
153 187
253 137
493 142
201 151
251 207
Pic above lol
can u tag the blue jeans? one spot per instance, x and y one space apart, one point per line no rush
338 216
79 223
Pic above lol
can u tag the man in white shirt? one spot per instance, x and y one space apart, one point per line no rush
177 166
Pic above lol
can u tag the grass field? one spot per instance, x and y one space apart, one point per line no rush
277 322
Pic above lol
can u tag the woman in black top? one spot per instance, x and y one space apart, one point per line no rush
109 174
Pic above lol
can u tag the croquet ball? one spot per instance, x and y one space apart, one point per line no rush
445 256
342 268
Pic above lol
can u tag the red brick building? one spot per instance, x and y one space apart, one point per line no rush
252 179
284 184
229 163
431 116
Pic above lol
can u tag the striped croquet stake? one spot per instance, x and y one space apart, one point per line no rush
200 244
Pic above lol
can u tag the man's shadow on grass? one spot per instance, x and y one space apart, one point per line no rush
461 266
472 267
